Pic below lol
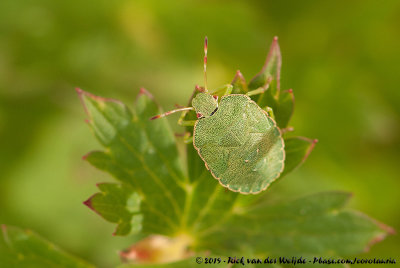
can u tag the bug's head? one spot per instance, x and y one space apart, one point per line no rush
204 104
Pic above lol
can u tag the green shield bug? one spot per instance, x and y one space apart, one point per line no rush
238 141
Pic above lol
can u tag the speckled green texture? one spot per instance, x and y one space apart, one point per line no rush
240 145
204 104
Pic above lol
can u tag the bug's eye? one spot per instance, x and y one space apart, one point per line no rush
199 115
215 97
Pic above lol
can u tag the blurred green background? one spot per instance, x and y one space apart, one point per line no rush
340 57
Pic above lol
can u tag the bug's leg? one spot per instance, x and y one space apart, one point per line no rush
171 112
288 129
185 123
222 91
270 112
257 91
188 138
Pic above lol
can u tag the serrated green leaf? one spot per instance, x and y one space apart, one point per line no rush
297 150
24 249
284 108
140 153
195 209
270 72
194 162
239 85
209 204
312 225
118 204
282 103
215 218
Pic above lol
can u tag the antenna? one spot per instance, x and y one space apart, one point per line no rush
205 63
171 112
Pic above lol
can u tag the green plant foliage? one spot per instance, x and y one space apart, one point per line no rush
284 108
313 225
297 150
156 196
125 214
205 210
341 62
141 154
23 248
281 102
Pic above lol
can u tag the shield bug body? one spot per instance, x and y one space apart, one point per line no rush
238 141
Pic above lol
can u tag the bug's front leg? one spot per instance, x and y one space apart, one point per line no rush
185 123
257 91
187 137
222 91
270 112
